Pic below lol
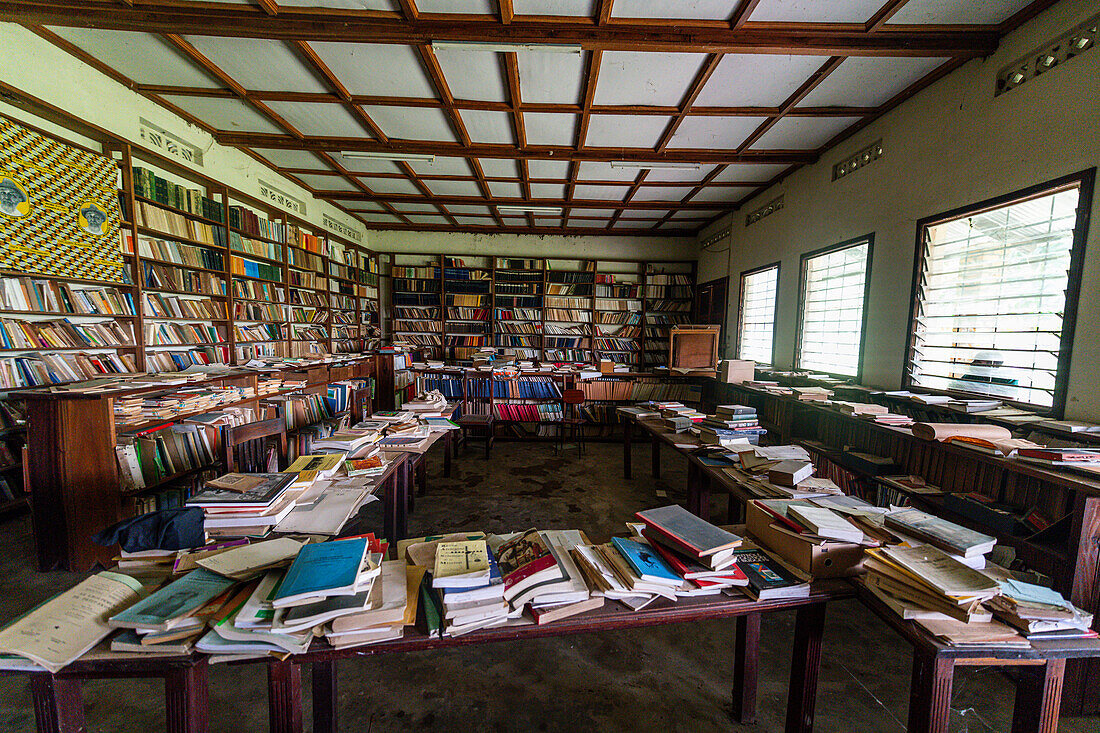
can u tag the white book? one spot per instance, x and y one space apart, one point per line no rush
826 523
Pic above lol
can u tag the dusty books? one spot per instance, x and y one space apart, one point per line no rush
825 523
527 566
68 625
326 513
768 578
324 465
168 606
462 564
940 533
248 561
263 494
790 472
322 569
683 531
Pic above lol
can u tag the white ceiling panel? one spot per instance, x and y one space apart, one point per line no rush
554 7
454 188
597 193
802 133
366 165
292 158
473 74
714 132
383 69
677 175
598 171
552 221
412 123
952 12
558 169
381 218
353 205
515 221
658 79
723 194
588 223
738 172
327 183
225 114
475 221
443 165
483 7
592 212
470 210
343 4
697 213
320 120
405 208
391 185
756 80
143 57
551 77
670 224
489 127
548 191
661 193
816 11
644 214
258 63
869 82
680 9
427 219
503 189
550 128
625 131
499 167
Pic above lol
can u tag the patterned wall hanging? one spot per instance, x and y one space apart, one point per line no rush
59 212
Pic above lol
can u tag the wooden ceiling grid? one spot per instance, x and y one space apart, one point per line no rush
662 210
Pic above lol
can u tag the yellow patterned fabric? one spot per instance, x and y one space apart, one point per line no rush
59 211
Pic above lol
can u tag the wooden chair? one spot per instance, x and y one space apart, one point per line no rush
570 400
362 405
246 445
477 426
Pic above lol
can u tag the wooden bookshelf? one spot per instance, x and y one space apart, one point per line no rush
551 309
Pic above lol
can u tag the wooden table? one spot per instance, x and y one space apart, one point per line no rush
284 677
1039 673
59 704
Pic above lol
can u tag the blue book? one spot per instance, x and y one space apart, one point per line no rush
645 561
322 569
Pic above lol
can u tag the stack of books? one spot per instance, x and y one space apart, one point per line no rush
1085 460
1039 612
731 425
468 587
678 417
245 504
392 605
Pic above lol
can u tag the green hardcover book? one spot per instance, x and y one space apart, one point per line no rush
433 618
141 182
194 201
160 190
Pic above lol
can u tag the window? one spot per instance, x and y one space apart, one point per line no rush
831 320
756 326
996 294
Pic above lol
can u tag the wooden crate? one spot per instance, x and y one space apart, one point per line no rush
693 347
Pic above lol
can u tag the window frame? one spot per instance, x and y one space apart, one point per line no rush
778 267
803 272
1082 180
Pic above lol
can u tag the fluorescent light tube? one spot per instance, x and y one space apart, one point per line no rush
362 154
505 47
529 209
655 164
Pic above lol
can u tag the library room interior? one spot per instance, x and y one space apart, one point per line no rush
527 365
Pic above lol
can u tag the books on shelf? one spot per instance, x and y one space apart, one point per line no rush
51 296
164 305
64 333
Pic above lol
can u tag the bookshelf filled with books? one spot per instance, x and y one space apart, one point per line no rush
518 291
553 310
310 299
567 310
370 310
467 302
417 301
343 263
258 296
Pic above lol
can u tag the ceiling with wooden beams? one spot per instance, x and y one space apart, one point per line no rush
605 116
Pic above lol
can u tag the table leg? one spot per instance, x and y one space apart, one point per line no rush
703 493
692 490
422 474
284 697
809 625
324 696
391 496
930 693
402 526
655 457
746 661
58 705
187 699
448 449
1038 698
628 429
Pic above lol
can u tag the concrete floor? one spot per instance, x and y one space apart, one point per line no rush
671 678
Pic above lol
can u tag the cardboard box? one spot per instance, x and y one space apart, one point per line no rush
821 559
607 366
736 371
